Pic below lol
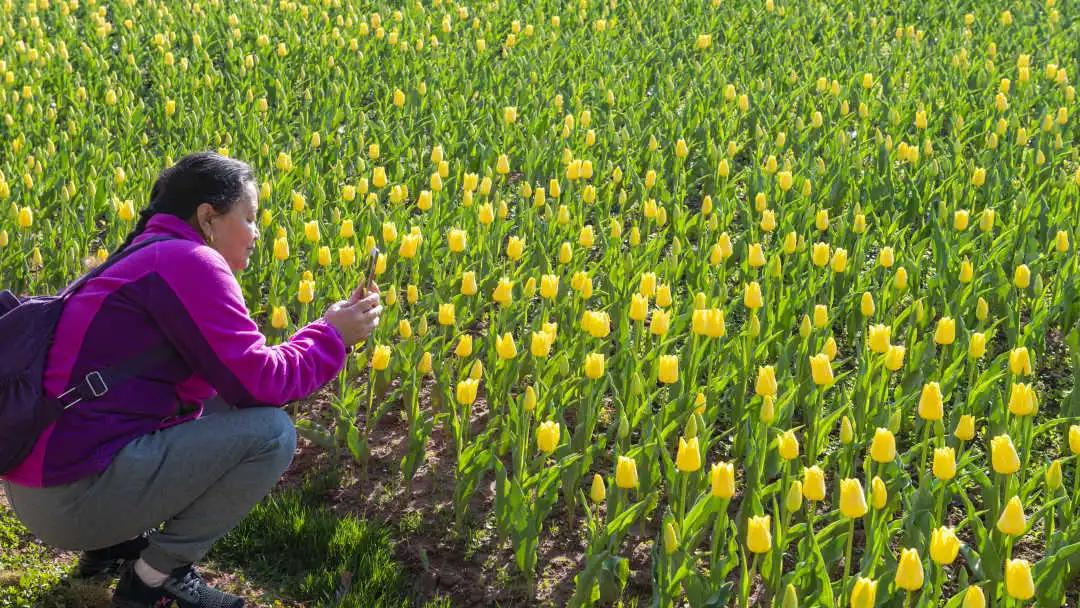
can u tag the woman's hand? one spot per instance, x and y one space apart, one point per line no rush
356 317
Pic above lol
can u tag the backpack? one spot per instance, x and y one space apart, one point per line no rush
27 325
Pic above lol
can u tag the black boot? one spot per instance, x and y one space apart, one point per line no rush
107 561
184 586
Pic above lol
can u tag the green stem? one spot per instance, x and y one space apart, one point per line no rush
847 557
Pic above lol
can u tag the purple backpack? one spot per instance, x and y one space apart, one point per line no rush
27 326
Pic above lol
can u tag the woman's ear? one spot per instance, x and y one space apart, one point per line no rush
204 215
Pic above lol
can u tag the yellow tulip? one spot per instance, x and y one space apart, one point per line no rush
766 381
281 249
597 492
540 345
1061 241
813 483
788 445
378 177
977 345
847 432
668 369
960 219
759 534
660 322
879 336
852 498
967 271
866 304
503 293
752 296
502 165
900 279
965 428
821 220
886 257
986 220
1022 399
688 457
879 494
819 254
1074 439
930 402
594 365
626 476
909 572
307 291
793 499
505 347
1020 361
280 318
663 295
755 256
863 593
1012 520
671 539
547 436
883 446
978 177
380 357
466 391
1022 276
1018 581
1003 455
1053 476
722 480
974 597
944 463
821 369
946 331
839 260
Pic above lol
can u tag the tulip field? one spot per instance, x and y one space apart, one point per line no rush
788 287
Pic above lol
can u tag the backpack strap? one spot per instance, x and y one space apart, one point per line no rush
96 383
130 249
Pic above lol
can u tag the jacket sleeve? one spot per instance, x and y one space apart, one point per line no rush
199 306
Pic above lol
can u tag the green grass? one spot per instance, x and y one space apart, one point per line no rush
301 545
290 546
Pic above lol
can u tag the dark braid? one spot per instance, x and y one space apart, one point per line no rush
202 177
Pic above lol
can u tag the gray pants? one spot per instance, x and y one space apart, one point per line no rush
200 478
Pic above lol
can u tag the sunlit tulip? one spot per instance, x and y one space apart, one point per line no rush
466 391
788 445
909 572
1012 520
722 480
688 456
931 402
1003 455
852 498
547 436
944 463
766 381
813 483
626 475
759 534
879 494
1018 581
883 446
863 593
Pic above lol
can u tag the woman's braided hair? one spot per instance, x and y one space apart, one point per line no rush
201 177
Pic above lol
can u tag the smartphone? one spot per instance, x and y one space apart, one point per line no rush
371 271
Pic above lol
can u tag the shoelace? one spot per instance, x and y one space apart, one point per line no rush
189 584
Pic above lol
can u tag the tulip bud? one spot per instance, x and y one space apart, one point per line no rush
597 492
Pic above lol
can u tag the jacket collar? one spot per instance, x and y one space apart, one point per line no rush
167 224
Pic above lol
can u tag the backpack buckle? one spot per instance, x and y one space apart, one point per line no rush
94 381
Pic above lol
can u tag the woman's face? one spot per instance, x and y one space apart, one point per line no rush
234 233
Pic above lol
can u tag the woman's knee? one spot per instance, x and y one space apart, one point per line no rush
280 432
